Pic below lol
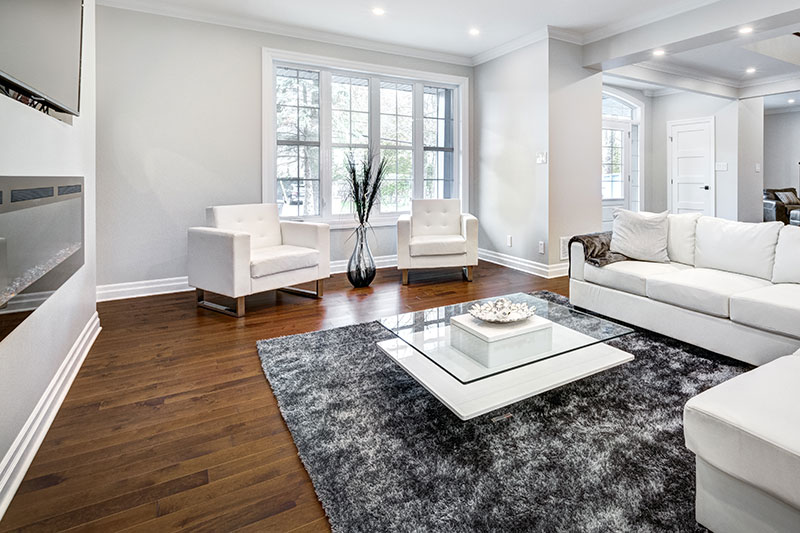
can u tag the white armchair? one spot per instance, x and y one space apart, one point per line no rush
247 249
437 235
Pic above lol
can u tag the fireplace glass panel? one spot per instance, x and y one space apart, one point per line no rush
41 242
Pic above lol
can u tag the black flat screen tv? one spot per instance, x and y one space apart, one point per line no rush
40 51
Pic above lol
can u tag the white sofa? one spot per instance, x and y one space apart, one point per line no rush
745 434
437 235
247 249
724 288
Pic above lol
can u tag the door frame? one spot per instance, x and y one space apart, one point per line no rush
711 121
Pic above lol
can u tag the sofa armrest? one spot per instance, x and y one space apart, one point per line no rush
775 210
403 241
310 235
577 261
219 261
469 230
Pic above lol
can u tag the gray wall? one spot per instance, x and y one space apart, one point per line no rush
33 144
782 150
179 128
751 160
510 126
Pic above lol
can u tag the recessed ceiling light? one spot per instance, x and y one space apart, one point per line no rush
750 70
474 32
378 11
790 100
659 52
744 30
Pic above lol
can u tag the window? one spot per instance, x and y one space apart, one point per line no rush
438 142
324 115
298 126
613 182
616 108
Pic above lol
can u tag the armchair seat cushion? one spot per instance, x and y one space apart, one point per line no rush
283 258
422 245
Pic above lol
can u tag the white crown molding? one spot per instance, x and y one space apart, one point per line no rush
657 93
687 73
772 79
19 456
154 7
782 110
510 46
671 9
567 36
524 265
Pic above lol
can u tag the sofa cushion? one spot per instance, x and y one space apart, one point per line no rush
261 221
283 258
628 276
437 245
640 236
787 256
701 289
436 217
749 427
681 238
739 247
775 308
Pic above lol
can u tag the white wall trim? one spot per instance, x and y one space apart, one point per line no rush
136 289
22 451
524 265
156 7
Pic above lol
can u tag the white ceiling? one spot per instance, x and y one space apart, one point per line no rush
779 103
727 63
439 26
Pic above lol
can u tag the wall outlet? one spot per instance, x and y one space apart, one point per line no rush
541 158
508 241
564 248
541 247
758 167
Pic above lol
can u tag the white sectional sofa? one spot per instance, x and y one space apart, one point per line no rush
730 287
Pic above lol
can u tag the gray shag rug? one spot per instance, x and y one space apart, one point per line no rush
605 453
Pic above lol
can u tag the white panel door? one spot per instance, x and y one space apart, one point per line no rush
691 166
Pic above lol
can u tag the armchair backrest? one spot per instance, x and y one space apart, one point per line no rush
261 221
436 217
769 194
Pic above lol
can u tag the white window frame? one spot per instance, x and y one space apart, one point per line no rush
273 57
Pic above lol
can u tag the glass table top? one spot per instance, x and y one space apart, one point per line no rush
468 358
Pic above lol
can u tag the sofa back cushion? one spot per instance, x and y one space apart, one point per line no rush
681 241
640 236
740 247
436 217
787 256
261 221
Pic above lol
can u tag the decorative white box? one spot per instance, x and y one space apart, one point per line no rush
500 344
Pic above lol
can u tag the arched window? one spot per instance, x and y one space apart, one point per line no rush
621 145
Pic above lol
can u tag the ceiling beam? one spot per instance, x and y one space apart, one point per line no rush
657 77
707 25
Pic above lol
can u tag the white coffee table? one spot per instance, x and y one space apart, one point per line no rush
574 349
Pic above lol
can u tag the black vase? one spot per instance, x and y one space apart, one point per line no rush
361 267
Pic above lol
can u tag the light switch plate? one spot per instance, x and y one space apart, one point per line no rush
758 167
541 158
721 167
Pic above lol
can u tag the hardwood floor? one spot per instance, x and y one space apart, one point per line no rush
170 423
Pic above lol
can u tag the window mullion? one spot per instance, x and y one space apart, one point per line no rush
325 134
417 140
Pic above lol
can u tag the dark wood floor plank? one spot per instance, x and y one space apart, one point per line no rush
170 423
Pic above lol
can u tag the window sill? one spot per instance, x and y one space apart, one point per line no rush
349 222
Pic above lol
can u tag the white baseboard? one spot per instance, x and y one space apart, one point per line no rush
524 265
19 457
135 289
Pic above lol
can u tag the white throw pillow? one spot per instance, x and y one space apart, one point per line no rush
682 232
741 247
787 256
641 236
